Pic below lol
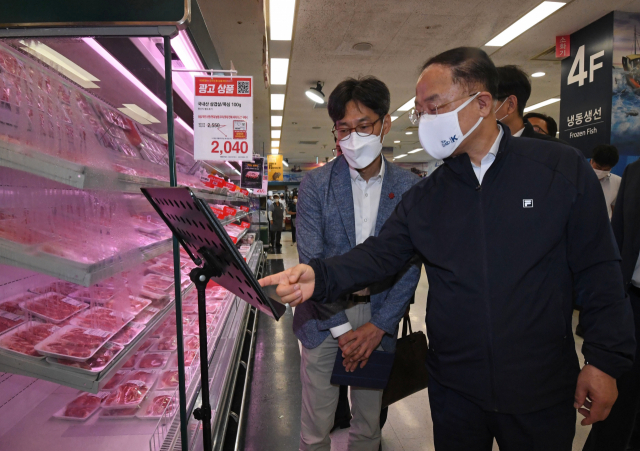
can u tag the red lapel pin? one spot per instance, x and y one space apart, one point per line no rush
391 195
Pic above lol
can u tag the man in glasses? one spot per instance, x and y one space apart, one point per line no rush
507 228
542 123
339 206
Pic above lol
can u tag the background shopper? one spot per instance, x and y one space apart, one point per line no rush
341 204
542 123
603 159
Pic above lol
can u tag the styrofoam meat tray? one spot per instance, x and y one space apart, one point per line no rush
99 338
61 414
112 350
171 408
23 327
120 319
29 305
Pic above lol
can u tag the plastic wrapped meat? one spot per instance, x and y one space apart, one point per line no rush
154 360
128 333
82 407
62 287
145 316
118 413
100 359
116 379
133 304
158 404
129 394
132 361
156 283
73 342
146 376
54 307
189 357
12 304
26 337
167 344
191 342
10 320
13 231
103 319
168 380
97 294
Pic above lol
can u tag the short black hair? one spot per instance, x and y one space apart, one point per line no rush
469 66
552 126
513 81
605 155
369 91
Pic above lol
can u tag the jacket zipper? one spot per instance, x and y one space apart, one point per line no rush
487 300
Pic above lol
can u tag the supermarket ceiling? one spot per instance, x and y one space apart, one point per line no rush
402 38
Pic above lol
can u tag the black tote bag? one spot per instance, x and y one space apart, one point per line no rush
409 372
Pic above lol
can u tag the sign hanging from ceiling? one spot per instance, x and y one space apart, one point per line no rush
276 173
563 46
251 175
47 13
223 119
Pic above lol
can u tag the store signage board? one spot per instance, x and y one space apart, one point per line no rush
48 13
265 177
586 87
563 46
276 170
223 119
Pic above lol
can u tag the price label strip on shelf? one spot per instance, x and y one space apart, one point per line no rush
223 118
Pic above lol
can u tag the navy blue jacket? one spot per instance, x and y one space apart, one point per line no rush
503 260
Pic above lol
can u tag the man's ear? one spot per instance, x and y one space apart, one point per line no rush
387 124
486 104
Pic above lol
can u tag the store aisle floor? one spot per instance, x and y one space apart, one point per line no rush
408 427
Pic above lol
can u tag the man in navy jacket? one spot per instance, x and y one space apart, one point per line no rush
507 229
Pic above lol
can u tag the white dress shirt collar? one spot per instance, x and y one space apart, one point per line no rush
518 134
488 159
355 175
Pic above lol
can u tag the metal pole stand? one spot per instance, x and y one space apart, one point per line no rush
200 277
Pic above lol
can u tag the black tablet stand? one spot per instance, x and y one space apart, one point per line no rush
206 241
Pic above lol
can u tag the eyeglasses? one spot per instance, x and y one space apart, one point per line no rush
414 115
364 130
539 130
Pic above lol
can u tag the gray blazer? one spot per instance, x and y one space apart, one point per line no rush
326 228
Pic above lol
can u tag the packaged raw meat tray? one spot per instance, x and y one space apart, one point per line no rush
153 360
94 294
102 318
95 364
131 363
23 339
81 408
169 343
116 379
118 414
155 282
157 405
127 395
10 320
132 304
191 342
161 269
189 358
61 286
128 333
146 315
53 307
168 380
146 376
74 343
12 304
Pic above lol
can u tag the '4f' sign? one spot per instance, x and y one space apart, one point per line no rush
577 72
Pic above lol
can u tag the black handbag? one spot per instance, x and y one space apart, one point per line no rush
409 372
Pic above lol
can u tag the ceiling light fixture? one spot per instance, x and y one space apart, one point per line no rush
275 134
400 156
393 118
408 133
281 13
61 63
316 93
285 162
396 142
536 15
275 144
275 151
276 121
407 106
277 101
279 71
541 104
415 150
538 74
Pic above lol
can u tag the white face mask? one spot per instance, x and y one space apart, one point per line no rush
295 201
498 109
440 134
361 151
601 174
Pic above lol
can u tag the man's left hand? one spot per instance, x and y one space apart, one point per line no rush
596 392
362 342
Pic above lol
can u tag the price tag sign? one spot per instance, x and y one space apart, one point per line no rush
223 119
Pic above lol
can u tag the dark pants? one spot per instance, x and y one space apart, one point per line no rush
461 425
614 433
293 233
275 238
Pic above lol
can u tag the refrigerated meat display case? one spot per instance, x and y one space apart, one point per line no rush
98 317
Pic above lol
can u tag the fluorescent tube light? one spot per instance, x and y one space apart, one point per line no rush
537 14
408 133
285 163
541 104
393 118
281 14
276 121
275 151
407 106
538 74
61 63
415 150
396 142
400 156
277 101
275 134
275 144
279 70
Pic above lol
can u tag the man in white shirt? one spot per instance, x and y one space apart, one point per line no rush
340 205
603 159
